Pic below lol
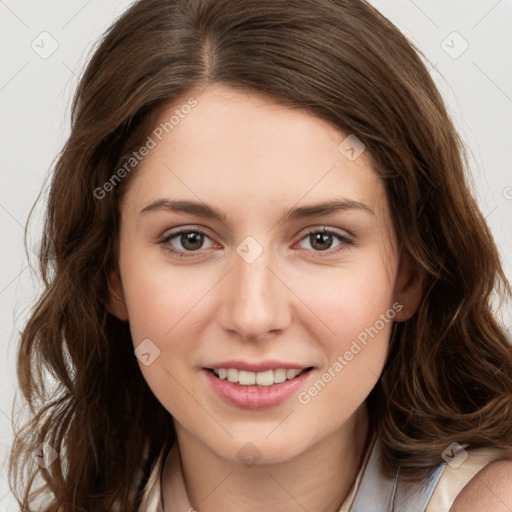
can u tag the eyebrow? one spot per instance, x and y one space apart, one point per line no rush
302 212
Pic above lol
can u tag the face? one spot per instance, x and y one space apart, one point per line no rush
231 274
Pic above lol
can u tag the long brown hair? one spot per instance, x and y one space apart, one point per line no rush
449 372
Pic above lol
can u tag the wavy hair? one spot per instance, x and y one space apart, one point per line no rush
448 376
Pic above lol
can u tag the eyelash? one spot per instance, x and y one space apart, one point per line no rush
328 252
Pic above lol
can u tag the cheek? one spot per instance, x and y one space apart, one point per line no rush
160 299
348 300
354 319
162 305
168 305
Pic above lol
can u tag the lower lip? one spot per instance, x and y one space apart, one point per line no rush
253 397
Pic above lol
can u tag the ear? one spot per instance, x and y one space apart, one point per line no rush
116 302
408 288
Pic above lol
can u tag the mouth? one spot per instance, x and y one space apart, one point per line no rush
257 380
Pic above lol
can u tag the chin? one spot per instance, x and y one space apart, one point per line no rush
257 449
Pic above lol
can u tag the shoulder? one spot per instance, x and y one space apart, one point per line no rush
489 489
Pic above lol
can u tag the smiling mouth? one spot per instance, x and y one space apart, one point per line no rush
258 379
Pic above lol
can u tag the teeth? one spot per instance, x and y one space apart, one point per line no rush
290 374
279 375
266 378
246 378
232 375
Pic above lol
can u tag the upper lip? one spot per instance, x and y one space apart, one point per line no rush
256 367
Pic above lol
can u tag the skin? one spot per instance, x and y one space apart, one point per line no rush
489 489
255 159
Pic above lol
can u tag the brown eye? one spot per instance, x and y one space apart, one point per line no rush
192 240
321 240
185 241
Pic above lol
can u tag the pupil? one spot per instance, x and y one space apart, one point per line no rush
192 241
322 238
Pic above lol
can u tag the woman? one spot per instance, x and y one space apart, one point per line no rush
269 283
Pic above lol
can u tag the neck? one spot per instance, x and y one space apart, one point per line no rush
319 478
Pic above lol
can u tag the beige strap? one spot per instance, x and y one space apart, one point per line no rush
455 478
151 498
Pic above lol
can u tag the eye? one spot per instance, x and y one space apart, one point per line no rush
188 240
321 240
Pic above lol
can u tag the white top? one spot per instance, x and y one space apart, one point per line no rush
371 492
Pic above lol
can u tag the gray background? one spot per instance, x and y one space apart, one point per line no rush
45 45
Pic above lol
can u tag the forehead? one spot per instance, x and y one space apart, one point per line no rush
242 149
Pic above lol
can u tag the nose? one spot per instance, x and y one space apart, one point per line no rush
256 299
